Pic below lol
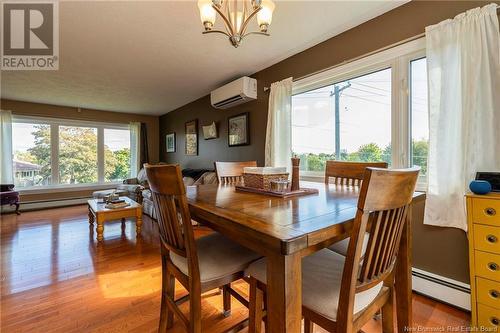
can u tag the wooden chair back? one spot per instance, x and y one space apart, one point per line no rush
383 208
231 172
174 220
349 173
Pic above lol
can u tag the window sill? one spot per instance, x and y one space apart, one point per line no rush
67 188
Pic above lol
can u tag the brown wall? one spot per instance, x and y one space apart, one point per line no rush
401 23
64 112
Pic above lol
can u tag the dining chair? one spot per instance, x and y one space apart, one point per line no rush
349 174
200 265
232 172
339 293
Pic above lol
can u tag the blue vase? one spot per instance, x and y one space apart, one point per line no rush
480 186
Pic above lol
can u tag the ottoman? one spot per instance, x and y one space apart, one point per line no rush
104 193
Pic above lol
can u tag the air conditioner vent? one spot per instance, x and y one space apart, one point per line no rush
237 92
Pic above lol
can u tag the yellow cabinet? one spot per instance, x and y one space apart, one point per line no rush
483 215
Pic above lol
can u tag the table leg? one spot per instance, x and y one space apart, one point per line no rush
284 293
91 216
403 286
100 228
138 223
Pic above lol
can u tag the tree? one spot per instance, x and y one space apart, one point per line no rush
41 151
24 156
387 154
370 152
420 149
119 164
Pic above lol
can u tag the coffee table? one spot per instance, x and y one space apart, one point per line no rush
99 213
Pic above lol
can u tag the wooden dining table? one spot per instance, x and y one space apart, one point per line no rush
284 231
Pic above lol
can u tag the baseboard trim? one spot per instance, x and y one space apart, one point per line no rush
441 288
37 205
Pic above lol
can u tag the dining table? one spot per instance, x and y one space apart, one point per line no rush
284 230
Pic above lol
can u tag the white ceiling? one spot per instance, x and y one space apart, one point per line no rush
150 56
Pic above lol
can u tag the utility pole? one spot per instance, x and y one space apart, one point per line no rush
336 92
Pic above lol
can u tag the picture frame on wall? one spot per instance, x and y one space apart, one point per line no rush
191 142
238 130
210 131
170 142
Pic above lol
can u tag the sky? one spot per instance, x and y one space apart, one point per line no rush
365 113
22 139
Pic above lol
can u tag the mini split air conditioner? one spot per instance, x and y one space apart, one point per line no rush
237 92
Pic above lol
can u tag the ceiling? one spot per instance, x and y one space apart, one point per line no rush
150 57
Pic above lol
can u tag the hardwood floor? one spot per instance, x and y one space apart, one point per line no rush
55 278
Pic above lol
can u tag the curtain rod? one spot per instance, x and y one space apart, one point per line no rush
363 56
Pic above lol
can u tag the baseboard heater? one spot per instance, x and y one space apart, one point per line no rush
441 288
44 204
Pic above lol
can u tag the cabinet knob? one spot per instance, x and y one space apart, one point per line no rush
493 266
491 238
495 321
494 293
490 211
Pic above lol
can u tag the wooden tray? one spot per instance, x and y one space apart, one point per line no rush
302 191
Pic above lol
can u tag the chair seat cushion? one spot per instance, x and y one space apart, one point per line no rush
217 257
321 280
341 247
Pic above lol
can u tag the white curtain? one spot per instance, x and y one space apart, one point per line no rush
279 125
6 147
135 148
463 65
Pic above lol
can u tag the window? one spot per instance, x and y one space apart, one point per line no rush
327 122
31 148
116 154
77 155
371 109
419 115
49 152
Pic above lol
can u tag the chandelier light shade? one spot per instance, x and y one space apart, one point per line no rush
236 15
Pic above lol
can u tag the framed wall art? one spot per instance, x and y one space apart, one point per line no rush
210 131
192 137
238 130
170 142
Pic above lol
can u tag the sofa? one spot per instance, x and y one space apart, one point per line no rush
138 188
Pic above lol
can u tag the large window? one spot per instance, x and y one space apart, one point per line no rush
51 152
77 155
116 154
345 121
372 109
31 147
419 115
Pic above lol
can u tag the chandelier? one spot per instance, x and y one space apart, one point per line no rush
236 15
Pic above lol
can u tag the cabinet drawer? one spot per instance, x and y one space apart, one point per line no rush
487 238
487 265
488 317
486 211
488 292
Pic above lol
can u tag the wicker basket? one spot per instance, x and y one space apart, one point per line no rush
262 181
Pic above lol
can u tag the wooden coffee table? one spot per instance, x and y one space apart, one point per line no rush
100 214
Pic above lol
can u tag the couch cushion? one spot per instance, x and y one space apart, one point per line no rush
188 181
217 257
321 280
141 177
146 194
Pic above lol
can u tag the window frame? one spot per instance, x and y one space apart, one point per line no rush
54 124
398 58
